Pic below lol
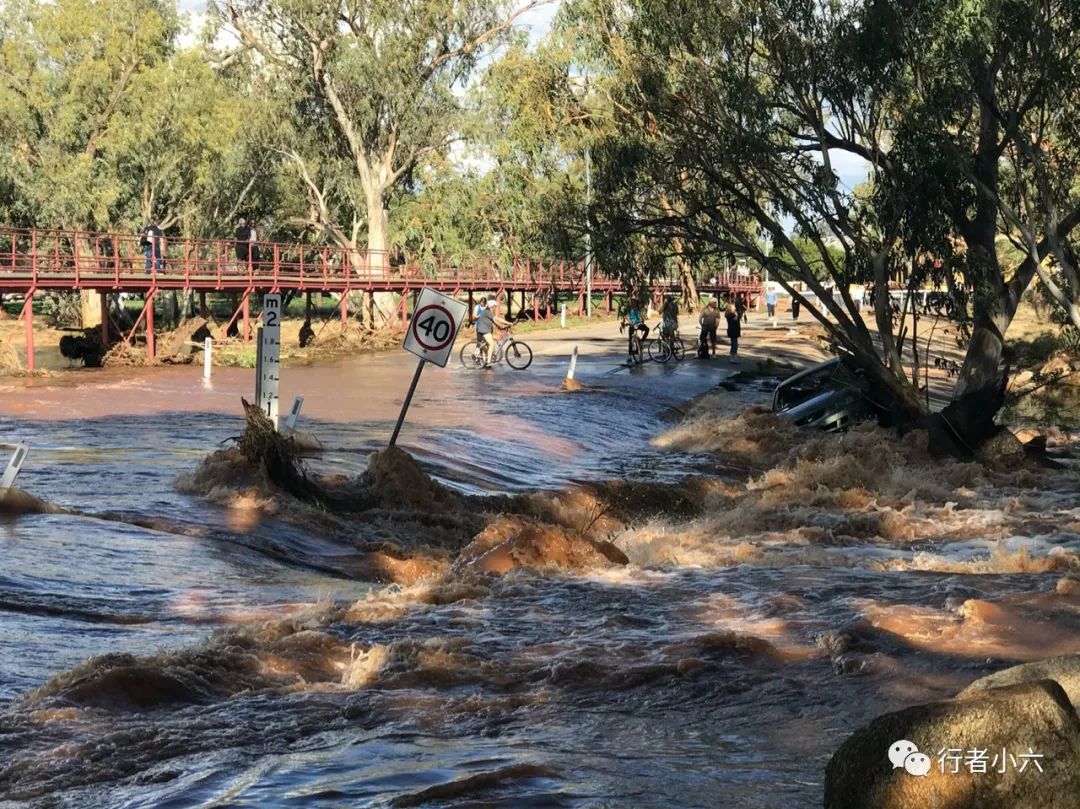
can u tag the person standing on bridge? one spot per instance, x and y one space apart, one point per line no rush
253 241
243 245
153 245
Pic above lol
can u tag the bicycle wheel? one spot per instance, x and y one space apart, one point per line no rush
518 355
678 348
659 350
634 352
470 355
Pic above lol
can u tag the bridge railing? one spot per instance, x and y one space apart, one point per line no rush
78 259
60 258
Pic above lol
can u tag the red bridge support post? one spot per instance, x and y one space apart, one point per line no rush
150 326
28 321
344 310
104 319
245 307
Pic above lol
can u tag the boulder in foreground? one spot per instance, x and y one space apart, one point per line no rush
1064 670
1036 715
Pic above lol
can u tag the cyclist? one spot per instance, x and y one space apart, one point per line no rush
669 314
485 330
633 317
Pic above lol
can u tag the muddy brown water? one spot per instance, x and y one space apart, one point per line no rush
720 668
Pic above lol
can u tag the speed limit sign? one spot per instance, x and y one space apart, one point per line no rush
434 327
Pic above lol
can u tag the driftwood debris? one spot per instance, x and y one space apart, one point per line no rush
275 454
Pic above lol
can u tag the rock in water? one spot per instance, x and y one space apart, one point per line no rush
1064 670
1036 715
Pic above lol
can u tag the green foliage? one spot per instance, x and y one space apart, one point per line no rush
71 70
105 124
372 93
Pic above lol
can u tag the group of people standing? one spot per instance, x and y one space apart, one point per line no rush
709 320
152 242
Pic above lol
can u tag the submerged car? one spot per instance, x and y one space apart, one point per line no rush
829 396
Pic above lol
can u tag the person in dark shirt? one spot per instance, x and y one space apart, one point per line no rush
734 330
709 320
153 244
243 244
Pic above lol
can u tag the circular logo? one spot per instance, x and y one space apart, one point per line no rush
433 327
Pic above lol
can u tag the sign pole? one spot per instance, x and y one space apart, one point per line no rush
408 400
432 330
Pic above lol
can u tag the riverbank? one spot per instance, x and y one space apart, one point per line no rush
329 342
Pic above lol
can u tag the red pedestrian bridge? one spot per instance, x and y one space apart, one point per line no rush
33 260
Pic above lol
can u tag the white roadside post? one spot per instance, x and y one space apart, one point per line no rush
564 315
268 360
430 336
294 414
573 364
13 467
207 362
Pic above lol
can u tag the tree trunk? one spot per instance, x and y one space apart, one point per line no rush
378 258
89 308
982 362
174 309
89 299
688 286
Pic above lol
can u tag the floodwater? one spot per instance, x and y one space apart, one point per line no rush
720 668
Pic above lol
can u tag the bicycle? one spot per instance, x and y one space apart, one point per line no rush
635 349
664 347
517 354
